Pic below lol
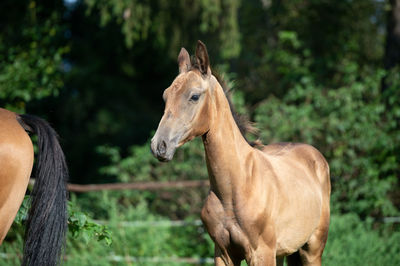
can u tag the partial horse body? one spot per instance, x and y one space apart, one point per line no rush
263 204
47 218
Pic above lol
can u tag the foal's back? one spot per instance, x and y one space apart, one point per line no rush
303 156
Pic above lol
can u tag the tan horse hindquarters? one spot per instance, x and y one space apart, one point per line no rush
46 224
16 160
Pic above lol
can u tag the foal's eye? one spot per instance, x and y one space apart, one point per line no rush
195 97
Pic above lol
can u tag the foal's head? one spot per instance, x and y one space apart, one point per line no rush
187 105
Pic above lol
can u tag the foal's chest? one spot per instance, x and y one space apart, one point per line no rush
223 227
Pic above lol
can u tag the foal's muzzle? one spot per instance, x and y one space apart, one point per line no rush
162 149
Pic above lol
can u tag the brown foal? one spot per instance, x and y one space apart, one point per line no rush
264 204
47 218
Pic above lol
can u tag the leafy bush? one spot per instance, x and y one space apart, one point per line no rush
140 238
81 228
80 225
142 241
355 242
31 59
351 125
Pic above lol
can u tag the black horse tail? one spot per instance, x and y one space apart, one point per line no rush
47 219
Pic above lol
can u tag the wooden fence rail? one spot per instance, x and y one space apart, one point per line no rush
134 186
138 185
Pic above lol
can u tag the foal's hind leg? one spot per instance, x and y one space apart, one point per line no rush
311 252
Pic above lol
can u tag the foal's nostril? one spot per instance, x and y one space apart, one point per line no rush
162 148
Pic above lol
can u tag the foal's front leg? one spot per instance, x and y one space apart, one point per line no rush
222 258
263 255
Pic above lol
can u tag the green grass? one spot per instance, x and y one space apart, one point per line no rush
351 242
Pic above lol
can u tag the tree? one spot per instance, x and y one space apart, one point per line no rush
122 56
338 37
392 48
31 52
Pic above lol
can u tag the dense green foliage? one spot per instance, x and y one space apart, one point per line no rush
79 224
305 71
149 239
30 53
351 125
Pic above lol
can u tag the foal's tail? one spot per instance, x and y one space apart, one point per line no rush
47 219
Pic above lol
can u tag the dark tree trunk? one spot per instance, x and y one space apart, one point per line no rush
392 49
392 60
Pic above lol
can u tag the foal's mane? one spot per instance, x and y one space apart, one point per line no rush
244 124
242 121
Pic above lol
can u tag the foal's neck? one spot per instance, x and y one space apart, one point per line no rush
225 149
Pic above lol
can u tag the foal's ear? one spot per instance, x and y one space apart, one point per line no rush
184 61
202 59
